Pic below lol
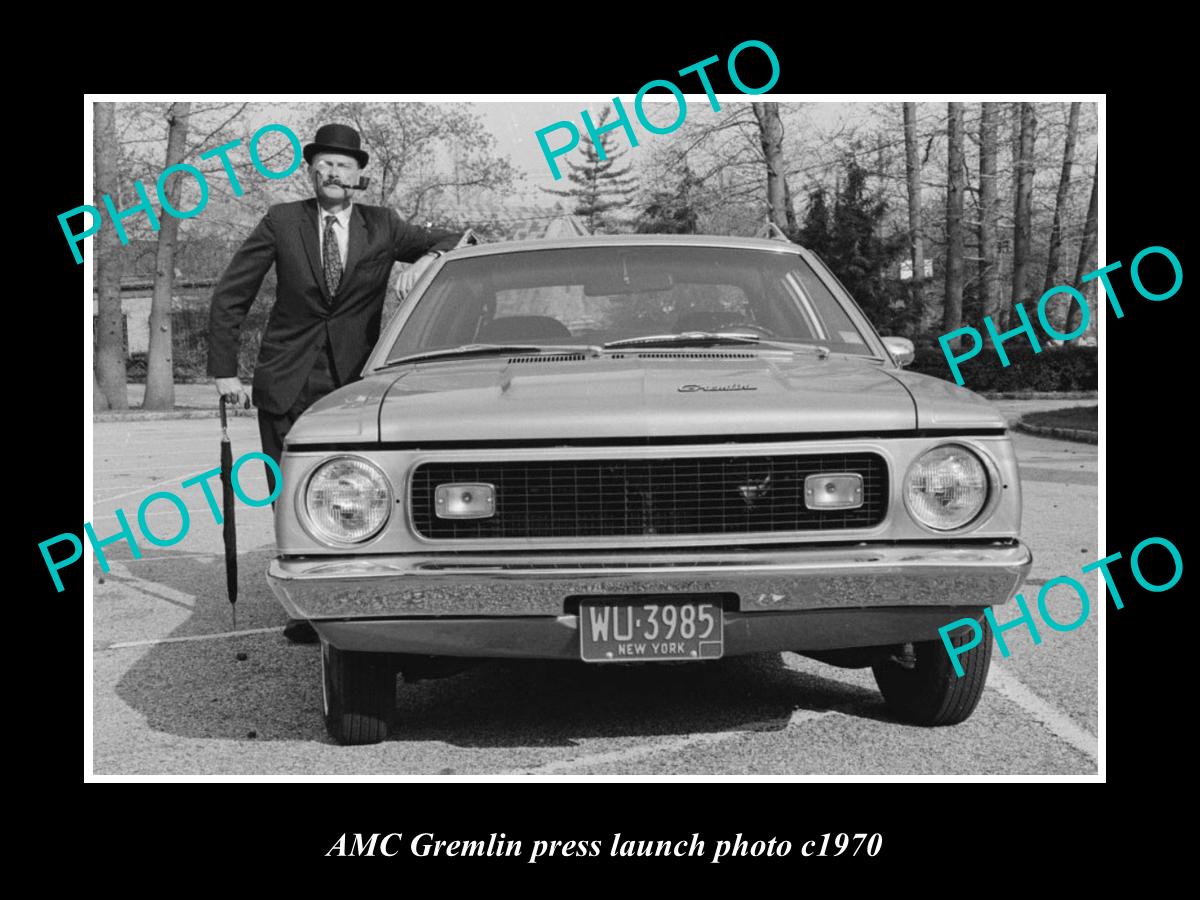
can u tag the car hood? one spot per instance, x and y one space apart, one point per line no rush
638 395
941 404
635 395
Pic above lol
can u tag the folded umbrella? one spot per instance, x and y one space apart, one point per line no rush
229 527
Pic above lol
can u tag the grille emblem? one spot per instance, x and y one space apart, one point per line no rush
755 491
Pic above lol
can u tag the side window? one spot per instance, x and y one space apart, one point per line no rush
834 325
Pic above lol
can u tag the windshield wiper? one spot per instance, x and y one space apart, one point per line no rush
687 337
715 337
485 349
464 350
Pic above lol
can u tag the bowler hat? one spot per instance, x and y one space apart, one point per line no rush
336 139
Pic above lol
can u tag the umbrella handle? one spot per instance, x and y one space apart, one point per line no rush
232 400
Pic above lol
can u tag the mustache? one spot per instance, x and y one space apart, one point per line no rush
331 180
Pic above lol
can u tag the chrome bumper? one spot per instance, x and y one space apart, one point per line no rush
767 581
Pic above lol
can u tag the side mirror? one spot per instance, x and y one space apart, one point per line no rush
901 349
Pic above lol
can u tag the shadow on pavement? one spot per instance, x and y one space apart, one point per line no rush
199 689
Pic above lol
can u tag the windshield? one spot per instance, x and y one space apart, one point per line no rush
598 295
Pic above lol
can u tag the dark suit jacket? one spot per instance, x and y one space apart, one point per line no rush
301 320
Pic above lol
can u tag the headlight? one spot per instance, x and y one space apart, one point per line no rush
946 487
347 500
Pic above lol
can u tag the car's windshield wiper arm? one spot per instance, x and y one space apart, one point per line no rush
465 350
688 337
485 349
715 337
820 349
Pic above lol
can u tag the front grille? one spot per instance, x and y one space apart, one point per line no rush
625 497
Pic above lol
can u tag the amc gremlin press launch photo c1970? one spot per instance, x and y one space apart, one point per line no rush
644 450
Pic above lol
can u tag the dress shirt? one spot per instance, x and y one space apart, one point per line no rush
341 229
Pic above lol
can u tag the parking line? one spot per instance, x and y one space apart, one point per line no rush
192 451
121 645
122 576
1057 722
1011 688
167 510
146 489
199 554
797 718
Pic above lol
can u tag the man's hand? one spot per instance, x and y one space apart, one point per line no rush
233 390
412 274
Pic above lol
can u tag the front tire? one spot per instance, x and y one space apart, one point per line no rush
930 692
359 693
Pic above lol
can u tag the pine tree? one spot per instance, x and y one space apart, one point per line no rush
672 211
599 186
815 233
850 242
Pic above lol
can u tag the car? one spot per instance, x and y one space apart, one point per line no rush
640 450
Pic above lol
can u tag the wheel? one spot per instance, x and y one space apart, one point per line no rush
359 694
930 692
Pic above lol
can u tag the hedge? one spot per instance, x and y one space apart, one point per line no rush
1065 368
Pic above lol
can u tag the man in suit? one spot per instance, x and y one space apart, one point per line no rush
332 259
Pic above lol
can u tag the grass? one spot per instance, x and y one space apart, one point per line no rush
1082 418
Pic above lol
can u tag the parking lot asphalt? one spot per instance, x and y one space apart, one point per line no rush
170 696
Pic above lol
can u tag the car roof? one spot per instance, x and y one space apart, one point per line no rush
627 240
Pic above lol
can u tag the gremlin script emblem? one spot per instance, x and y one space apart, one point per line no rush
710 388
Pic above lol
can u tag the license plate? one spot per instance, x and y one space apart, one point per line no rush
650 631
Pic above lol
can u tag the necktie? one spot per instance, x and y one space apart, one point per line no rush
332 257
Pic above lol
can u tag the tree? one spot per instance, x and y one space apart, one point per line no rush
143 139
850 242
952 309
1060 201
907 168
989 275
779 201
1085 262
1023 205
99 401
421 152
110 322
599 185
724 152
160 377
815 233
916 239
791 209
671 211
